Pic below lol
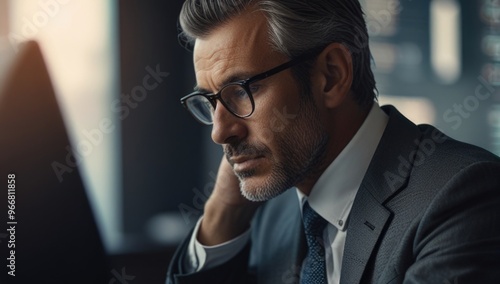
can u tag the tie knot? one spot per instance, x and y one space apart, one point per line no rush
314 224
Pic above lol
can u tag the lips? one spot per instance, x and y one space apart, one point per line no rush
243 163
246 157
241 159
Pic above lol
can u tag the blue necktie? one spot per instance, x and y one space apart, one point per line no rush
313 267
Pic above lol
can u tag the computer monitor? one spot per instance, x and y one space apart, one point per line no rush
48 233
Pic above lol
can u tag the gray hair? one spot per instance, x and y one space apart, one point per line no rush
296 27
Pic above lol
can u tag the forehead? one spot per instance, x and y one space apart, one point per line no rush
239 46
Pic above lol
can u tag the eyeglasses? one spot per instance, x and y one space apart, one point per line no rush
236 97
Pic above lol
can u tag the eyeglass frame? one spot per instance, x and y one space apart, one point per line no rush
245 84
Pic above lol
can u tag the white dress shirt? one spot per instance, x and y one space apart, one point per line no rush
331 197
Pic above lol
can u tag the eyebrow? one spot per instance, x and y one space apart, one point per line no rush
233 78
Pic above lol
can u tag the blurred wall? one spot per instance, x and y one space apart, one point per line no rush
162 155
437 60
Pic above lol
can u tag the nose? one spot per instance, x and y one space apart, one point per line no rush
227 127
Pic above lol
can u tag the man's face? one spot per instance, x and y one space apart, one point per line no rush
284 142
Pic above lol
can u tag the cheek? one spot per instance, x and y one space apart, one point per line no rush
276 110
280 90
277 106
274 119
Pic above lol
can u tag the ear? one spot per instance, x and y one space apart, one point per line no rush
333 72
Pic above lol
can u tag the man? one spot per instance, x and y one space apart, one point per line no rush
318 183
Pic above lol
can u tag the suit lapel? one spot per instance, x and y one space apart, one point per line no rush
387 174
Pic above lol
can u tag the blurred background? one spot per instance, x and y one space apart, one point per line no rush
438 61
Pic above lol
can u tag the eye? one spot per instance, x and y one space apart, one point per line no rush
240 93
254 88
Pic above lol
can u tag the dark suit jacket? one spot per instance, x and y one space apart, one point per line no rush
427 211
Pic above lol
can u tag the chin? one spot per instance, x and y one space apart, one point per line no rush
259 189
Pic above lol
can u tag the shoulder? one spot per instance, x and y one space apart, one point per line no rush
445 213
446 174
448 146
440 154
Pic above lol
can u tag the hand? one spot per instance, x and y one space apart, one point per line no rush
227 187
227 212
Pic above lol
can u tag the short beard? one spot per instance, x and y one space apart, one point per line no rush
299 165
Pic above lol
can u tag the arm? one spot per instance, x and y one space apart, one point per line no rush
227 215
234 271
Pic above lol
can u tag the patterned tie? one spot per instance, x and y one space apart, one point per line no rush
313 267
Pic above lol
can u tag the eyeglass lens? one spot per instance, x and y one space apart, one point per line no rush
235 98
201 108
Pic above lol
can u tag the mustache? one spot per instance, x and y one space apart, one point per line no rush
245 149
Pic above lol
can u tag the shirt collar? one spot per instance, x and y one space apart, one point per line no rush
333 194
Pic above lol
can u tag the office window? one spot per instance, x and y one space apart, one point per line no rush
79 41
438 61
